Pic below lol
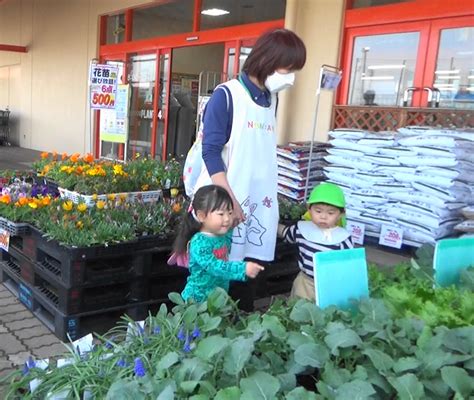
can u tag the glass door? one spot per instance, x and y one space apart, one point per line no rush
384 65
450 64
142 79
163 88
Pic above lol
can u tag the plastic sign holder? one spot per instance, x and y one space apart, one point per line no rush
340 275
450 257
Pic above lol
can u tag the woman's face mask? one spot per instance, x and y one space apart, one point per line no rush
278 81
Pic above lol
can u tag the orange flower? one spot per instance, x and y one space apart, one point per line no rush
145 187
64 156
46 201
75 157
23 201
44 155
55 155
5 199
88 158
177 207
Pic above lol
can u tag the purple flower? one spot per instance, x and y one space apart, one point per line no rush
187 347
156 330
25 370
34 191
109 345
30 363
196 333
139 368
181 335
121 363
44 190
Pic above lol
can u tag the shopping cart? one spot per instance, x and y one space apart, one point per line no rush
4 127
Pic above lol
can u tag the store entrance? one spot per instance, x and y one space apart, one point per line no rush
186 65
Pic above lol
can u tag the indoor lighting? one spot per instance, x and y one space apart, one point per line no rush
449 77
378 78
443 85
449 71
386 66
214 12
470 77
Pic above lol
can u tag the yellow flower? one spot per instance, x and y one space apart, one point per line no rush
137 155
82 207
33 205
174 192
123 196
67 205
118 170
111 197
94 196
100 204
145 187
79 224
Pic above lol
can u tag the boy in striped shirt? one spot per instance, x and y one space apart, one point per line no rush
326 209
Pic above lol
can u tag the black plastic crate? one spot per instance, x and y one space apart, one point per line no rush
18 264
13 282
88 298
78 325
160 286
92 272
24 244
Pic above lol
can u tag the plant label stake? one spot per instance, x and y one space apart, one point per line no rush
450 257
339 276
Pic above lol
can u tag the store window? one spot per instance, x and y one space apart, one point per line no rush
383 66
163 20
374 3
115 29
454 74
221 13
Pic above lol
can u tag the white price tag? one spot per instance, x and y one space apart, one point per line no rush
357 230
391 236
4 239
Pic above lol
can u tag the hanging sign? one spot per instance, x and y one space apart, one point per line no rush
114 123
330 79
103 80
4 239
391 236
357 230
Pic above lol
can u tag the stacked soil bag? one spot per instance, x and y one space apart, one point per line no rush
417 179
293 161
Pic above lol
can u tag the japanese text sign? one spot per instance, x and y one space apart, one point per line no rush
103 81
357 230
4 239
391 236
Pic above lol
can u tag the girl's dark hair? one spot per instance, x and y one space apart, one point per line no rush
280 48
207 199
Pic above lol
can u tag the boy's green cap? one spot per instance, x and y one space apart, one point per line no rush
328 193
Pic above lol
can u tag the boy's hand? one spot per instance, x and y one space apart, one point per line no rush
253 269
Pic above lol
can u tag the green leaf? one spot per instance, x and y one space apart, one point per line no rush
334 376
355 390
406 364
166 394
217 299
237 355
210 323
408 387
176 298
296 339
188 386
259 386
287 381
190 315
210 346
304 311
191 369
341 339
273 324
383 362
167 361
199 397
300 393
459 380
311 354
229 393
125 390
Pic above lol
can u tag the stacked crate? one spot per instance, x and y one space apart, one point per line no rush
72 290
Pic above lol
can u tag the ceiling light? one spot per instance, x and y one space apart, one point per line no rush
386 66
448 77
449 71
378 78
214 12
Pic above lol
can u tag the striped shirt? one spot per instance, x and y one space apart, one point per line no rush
306 248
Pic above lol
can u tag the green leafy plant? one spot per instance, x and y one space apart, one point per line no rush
290 210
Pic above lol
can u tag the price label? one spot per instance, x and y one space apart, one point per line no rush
391 236
4 239
357 230
103 81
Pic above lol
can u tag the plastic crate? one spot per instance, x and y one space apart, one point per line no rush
90 200
91 272
14 228
24 245
89 298
18 264
20 289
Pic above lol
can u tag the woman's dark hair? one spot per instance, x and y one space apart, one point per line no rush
207 199
280 48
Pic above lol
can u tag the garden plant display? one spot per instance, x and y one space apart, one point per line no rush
292 351
87 176
290 210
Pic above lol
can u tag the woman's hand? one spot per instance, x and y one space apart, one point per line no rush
238 213
253 269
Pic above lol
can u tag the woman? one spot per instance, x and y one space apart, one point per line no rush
239 141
